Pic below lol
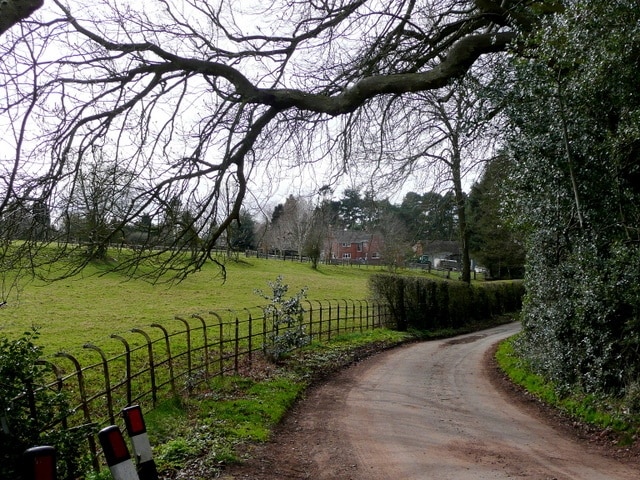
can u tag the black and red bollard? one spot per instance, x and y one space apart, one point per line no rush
40 463
137 431
117 454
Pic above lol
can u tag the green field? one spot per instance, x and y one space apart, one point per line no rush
90 307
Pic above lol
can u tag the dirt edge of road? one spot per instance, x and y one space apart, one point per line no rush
298 453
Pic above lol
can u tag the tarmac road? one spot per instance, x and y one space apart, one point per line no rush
426 411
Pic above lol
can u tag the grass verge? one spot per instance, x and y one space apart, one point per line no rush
209 429
602 412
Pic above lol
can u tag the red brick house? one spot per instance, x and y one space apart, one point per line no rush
353 247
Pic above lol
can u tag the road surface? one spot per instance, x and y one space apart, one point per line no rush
425 411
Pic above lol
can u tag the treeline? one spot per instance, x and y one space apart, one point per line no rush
301 225
96 216
298 226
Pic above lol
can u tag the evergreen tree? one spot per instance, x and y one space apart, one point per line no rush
575 115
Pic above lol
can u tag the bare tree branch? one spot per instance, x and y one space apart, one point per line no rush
193 97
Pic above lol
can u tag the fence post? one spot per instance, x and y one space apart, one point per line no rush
188 332
206 344
264 328
354 318
220 342
237 343
127 356
250 337
346 315
84 406
107 380
167 344
152 367
366 316
320 320
310 320
329 321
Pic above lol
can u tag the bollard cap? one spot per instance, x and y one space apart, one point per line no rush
40 463
113 445
134 421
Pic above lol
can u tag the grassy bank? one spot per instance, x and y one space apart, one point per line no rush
599 411
94 305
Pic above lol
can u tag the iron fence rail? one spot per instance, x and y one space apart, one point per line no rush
147 364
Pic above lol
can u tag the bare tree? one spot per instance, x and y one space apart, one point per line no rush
193 95
320 228
97 202
316 237
464 141
395 245
440 135
290 228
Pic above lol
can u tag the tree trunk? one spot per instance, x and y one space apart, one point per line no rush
460 210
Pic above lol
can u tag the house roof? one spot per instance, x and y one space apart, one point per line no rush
352 236
438 246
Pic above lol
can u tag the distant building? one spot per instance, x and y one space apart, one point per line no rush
348 246
442 253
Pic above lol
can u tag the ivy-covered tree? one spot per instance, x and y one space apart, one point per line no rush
574 109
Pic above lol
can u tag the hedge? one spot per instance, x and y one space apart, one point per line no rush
427 304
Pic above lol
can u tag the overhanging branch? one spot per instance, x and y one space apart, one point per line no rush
459 59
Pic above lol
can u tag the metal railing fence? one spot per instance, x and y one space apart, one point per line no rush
146 365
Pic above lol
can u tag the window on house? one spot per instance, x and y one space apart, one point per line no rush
359 247
345 244
346 255
375 255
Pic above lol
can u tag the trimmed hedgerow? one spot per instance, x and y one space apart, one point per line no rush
426 304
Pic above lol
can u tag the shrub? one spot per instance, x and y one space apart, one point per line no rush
27 408
287 315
